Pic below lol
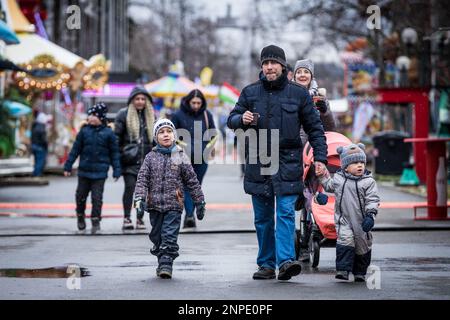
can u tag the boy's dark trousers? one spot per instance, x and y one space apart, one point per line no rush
95 186
164 235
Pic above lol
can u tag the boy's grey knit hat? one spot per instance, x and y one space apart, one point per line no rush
163 123
351 154
306 63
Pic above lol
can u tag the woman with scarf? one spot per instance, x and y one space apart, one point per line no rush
134 129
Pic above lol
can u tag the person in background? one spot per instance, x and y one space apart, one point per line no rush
97 147
133 127
193 111
39 144
304 75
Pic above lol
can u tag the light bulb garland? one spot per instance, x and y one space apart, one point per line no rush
44 73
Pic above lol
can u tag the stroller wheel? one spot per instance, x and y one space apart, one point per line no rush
314 251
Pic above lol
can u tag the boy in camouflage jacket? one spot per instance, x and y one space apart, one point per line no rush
159 190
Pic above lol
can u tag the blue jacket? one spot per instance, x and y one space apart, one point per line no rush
98 149
285 106
185 118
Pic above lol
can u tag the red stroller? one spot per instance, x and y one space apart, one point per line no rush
317 227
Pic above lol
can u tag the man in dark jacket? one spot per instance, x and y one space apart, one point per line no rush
96 144
133 127
193 112
275 103
39 143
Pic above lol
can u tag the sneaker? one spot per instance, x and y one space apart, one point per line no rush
127 224
95 225
360 278
289 269
342 275
304 256
81 223
164 271
264 274
140 225
189 222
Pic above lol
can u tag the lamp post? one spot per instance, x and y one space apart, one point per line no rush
409 39
403 63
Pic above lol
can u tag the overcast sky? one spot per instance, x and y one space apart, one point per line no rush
240 9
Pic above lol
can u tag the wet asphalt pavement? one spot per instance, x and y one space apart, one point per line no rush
413 265
214 262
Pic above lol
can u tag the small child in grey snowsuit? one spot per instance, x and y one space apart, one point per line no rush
356 207
165 173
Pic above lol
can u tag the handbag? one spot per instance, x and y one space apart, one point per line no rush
130 153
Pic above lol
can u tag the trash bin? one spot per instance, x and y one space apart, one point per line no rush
391 153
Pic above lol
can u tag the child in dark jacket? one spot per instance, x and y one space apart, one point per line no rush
97 146
165 173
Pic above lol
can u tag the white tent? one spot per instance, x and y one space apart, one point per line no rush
32 45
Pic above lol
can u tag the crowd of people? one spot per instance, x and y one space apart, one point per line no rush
163 163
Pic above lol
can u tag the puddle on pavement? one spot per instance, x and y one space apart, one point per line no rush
54 272
414 264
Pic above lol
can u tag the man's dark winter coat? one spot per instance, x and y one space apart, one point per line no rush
285 106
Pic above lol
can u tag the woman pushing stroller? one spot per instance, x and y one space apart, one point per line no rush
304 75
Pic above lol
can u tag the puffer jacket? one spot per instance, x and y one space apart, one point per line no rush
98 149
162 178
285 106
355 196
185 118
39 135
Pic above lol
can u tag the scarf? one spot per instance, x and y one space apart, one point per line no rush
164 150
133 123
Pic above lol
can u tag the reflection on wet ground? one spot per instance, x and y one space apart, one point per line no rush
54 272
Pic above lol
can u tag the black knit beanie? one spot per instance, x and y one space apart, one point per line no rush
273 53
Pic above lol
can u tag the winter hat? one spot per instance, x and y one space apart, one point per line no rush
42 118
306 63
99 110
163 123
273 53
351 154
136 91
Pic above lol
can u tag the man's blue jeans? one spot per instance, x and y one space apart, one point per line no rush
200 171
276 247
40 155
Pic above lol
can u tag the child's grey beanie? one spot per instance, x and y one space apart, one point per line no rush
351 154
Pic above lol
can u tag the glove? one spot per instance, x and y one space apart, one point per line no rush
321 198
321 105
368 221
139 204
200 210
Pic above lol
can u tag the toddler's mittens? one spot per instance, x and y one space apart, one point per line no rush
369 220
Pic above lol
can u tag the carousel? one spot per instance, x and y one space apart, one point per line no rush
49 79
